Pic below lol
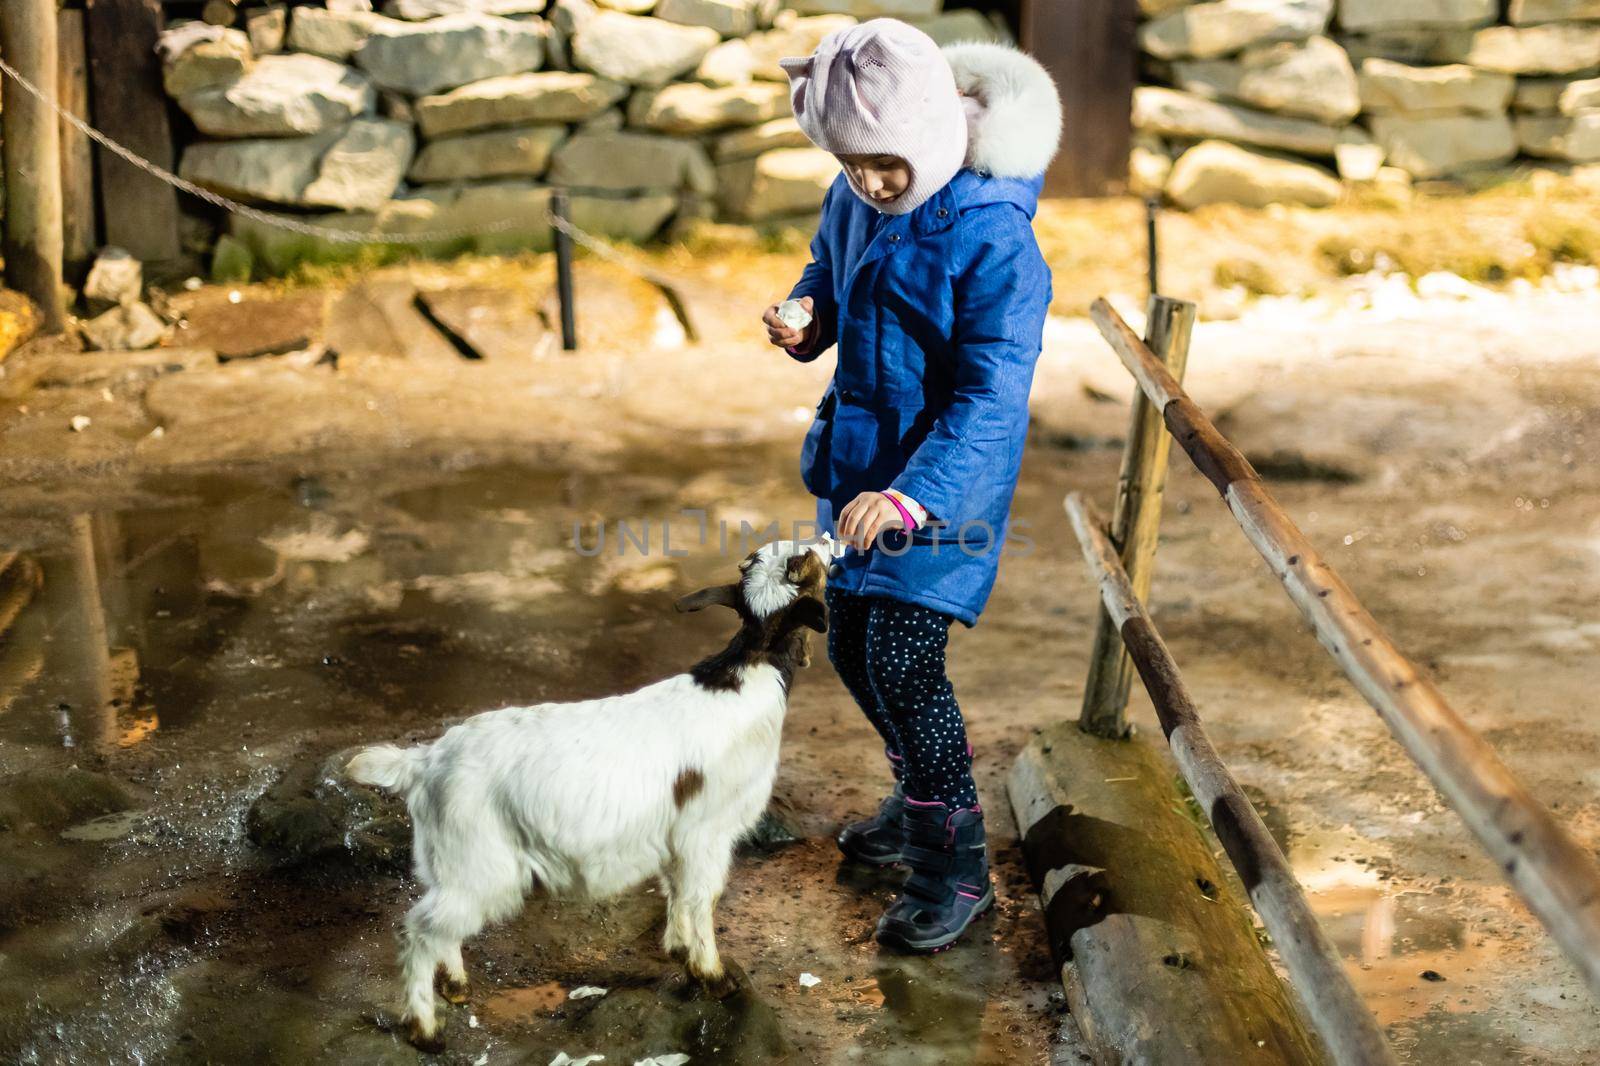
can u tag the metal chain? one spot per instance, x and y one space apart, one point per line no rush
267 218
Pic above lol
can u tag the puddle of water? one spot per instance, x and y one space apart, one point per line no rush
183 653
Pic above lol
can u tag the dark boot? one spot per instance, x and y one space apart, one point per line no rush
876 841
949 883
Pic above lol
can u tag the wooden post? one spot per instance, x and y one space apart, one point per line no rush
1088 47
1555 876
32 158
140 210
79 231
1136 522
1347 1028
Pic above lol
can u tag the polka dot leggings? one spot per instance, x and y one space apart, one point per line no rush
890 655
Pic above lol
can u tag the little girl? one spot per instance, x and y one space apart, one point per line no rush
926 275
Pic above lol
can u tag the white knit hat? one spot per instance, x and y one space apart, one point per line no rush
883 88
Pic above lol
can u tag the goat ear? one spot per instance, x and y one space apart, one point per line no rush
722 595
806 612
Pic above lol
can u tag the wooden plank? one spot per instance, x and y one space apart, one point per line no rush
1088 47
32 159
1347 1028
1170 969
140 210
79 229
1136 522
1555 876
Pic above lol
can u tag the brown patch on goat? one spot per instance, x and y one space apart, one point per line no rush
687 786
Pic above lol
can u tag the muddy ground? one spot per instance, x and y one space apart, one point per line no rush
235 570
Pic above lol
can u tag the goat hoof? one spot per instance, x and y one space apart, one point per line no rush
730 982
452 990
431 1043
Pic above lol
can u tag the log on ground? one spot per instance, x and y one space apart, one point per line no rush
1168 969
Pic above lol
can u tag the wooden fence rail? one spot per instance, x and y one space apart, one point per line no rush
1559 879
1347 1028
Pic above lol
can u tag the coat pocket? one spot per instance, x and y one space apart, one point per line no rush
816 449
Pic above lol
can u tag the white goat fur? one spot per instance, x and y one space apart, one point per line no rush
590 799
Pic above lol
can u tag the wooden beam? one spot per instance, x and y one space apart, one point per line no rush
1159 958
32 159
1136 522
140 210
1555 876
79 229
1348 1029
1088 47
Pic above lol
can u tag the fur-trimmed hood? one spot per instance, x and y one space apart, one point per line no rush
1013 109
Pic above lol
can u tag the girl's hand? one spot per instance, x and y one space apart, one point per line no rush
787 336
864 517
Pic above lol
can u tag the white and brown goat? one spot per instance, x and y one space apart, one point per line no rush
590 799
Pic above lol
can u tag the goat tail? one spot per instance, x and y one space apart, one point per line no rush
386 766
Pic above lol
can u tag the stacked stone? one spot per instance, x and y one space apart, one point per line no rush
456 115
1250 100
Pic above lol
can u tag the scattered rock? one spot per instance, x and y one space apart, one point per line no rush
206 63
640 51
1313 80
428 57
958 27
730 18
1205 31
516 152
608 121
363 167
1170 113
784 181
869 9
790 36
632 161
687 107
1363 16
125 328
1558 48
1579 96
116 278
1436 146
51 800
732 62
267 29
1531 12
333 35
1216 172
752 141
312 813
1388 87
519 99
1575 139
281 96
231 261
419 10
1148 169
359 166
1358 162
630 7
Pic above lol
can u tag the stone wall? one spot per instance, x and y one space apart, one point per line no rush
1261 101
456 115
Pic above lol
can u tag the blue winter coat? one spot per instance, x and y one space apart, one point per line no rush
938 317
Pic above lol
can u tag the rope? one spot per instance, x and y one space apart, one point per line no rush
268 218
597 245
